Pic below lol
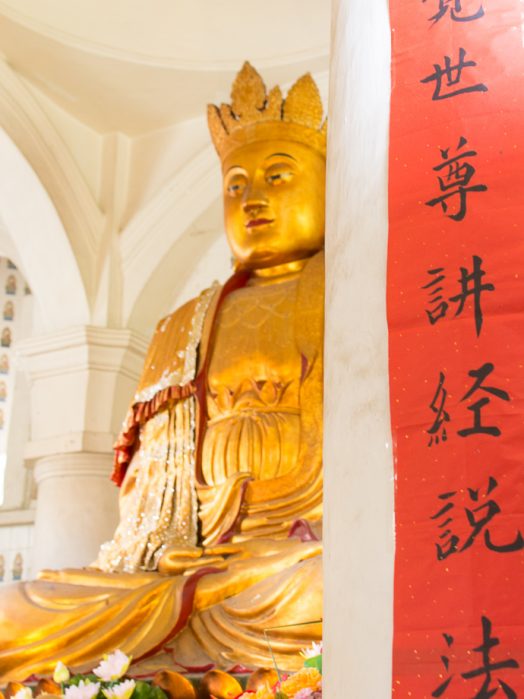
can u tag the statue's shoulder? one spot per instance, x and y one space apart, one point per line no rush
182 321
173 349
175 321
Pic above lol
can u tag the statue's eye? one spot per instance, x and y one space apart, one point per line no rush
278 174
236 185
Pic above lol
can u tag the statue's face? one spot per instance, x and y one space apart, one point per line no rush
274 202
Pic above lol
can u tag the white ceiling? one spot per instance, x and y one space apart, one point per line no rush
138 66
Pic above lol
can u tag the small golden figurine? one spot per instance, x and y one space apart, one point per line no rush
220 457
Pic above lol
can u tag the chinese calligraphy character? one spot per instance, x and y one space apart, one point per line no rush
440 309
450 76
478 519
439 691
489 669
455 175
476 408
437 431
470 285
451 545
456 11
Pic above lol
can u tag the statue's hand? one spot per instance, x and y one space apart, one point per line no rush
180 560
184 560
177 559
251 548
240 549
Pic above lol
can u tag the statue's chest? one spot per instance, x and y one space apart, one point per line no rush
255 337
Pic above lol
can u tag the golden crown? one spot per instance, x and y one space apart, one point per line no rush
255 115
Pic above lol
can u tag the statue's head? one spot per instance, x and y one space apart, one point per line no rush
273 155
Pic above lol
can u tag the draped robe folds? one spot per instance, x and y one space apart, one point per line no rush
197 571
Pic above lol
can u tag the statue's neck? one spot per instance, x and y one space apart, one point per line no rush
284 272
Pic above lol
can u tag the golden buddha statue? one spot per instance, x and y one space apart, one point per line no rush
220 456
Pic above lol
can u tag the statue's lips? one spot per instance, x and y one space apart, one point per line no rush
259 222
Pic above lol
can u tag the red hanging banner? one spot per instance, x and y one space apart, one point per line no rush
456 337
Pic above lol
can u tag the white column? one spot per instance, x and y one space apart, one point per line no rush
76 509
81 382
358 499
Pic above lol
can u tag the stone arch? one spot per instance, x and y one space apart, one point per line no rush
33 236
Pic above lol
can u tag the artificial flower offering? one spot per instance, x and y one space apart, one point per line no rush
113 666
83 690
308 693
263 683
123 690
313 656
61 673
313 651
306 678
261 693
23 693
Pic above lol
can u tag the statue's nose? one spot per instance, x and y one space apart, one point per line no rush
254 199
254 206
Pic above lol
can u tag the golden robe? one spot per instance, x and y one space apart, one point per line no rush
220 458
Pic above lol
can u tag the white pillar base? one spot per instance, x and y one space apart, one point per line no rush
76 510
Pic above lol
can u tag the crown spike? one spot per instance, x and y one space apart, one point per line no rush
228 118
274 103
216 126
303 103
248 94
